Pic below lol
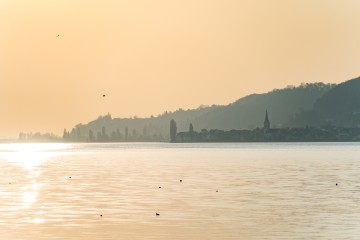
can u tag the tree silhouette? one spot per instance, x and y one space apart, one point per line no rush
191 131
65 134
73 134
78 133
134 134
104 136
173 130
91 136
191 128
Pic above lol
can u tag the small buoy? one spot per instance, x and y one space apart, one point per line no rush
157 214
69 177
217 191
336 184
100 215
159 187
180 180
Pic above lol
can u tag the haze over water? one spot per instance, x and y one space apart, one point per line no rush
265 191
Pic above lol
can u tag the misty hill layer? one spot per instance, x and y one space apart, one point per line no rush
339 106
245 113
248 112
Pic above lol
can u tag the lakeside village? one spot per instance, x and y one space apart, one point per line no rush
327 133
267 134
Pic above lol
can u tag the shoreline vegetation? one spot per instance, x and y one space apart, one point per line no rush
266 134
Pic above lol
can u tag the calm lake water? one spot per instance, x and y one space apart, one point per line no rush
228 191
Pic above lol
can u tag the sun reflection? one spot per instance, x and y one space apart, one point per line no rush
30 155
33 147
38 220
29 198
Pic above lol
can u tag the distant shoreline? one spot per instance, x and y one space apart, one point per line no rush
6 141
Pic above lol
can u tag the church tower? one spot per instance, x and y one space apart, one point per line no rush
266 122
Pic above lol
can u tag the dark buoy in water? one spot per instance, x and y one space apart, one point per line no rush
180 180
69 177
159 187
217 191
100 215
336 184
157 214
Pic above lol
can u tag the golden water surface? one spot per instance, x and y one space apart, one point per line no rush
228 191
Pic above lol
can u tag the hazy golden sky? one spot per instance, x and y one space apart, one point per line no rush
149 56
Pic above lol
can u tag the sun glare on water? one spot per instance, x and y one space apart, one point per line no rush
29 155
29 158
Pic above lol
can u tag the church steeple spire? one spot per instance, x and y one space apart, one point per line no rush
266 122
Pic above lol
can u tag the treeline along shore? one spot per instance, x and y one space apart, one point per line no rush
327 133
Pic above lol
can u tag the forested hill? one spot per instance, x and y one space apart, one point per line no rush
247 112
340 107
